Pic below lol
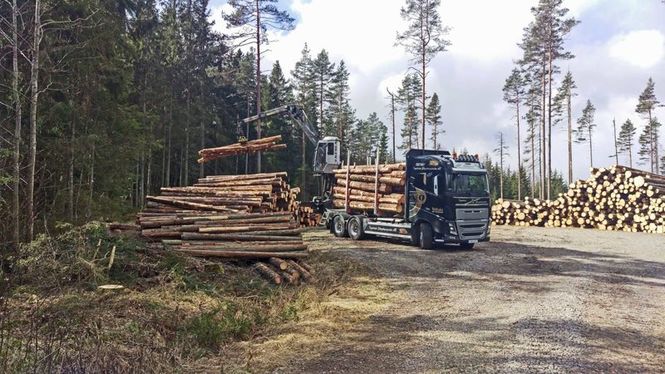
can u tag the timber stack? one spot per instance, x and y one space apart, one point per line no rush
368 186
245 218
270 143
618 198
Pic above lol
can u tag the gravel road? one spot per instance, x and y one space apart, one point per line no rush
532 300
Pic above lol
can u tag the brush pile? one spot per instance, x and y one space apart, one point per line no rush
241 148
364 190
614 199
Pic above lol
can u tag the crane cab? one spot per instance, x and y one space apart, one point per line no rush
327 155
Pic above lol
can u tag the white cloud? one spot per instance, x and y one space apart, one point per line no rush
641 48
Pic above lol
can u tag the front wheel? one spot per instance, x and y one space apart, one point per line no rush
426 236
467 245
355 228
339 227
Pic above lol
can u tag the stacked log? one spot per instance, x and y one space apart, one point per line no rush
247 147
618 198
247 218
307 216
369 185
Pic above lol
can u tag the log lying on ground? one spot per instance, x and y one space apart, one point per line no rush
616 198
268 273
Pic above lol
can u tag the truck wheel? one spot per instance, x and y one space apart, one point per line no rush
467 245
415 235
339 227
426 236
355 228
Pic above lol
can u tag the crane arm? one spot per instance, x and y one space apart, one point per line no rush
296 113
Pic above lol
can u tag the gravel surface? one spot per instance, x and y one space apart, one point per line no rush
532 300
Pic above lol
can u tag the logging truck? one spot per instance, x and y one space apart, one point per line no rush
445 199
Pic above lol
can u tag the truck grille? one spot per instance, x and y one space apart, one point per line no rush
472 223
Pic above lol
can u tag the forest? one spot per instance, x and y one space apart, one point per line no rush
105 101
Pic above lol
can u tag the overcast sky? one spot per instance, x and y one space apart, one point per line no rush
618 46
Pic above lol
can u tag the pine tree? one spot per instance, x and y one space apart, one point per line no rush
434 120
502 151
423 39
585 127
646 106
513 94
407 101
625 140
563 100
254 18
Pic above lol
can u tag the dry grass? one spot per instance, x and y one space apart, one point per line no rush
174 314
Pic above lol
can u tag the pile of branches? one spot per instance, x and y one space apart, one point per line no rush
232 217
247 147
369 185
618 198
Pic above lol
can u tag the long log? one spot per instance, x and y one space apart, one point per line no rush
241 254
369 187
235 237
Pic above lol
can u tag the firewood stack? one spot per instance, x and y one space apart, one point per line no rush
362 188
242 148
232 217
616 199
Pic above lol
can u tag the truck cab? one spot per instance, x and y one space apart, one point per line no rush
448 193
446 200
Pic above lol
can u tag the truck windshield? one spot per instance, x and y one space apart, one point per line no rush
470 184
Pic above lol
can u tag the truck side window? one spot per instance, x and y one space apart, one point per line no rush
331 149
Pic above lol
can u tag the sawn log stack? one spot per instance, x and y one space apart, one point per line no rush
618 198
370 187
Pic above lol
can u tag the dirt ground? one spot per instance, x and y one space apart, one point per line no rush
532 300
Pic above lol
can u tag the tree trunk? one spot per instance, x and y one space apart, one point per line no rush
519 153
549 123
187 126
543 135
70 184
616 148
533 160
17 127
304 163
590 147
651 152
424 100
258 81
570 141
169 144
92 180
34 97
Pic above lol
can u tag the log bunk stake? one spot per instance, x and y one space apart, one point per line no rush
618 198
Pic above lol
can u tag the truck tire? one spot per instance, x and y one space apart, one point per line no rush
426 236
466 245
415 235
355 228
339 227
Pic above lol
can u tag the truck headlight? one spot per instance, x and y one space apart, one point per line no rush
453 228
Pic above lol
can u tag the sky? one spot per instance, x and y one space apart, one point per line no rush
618 45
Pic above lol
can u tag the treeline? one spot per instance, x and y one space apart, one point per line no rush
541 103
104 102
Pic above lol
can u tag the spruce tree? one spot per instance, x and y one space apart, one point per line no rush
434 121
408 102
340 113
323 71
585 127
513 93
625 140
423 39
646 106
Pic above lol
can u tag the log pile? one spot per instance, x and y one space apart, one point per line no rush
247 147
614 199
307 216
231 217
363 191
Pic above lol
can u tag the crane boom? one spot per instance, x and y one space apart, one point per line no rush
296 113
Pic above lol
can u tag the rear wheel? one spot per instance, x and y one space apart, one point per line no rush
467 245
339 227
415 235
355 228
426 236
